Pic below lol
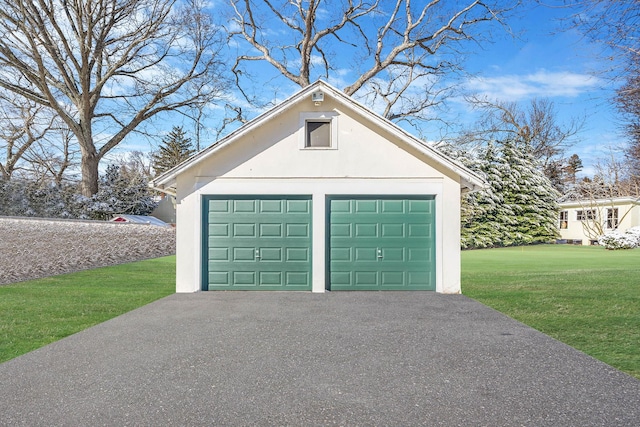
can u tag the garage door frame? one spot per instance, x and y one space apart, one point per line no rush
433 236
205 237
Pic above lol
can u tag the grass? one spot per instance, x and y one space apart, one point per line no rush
39 312
586 297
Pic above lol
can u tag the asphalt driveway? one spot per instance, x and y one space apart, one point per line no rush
351 359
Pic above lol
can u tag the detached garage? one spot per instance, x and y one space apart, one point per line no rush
318 193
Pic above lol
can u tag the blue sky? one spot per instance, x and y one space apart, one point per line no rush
541 62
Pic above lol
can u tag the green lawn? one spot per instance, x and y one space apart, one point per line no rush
38 312
586 297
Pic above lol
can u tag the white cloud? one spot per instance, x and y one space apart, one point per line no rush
542 84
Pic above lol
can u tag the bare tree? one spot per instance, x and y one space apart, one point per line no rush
52 156
22 124
135 165
537 126
416 43
628 103
117 63
615 25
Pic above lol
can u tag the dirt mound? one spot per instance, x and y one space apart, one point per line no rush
34 248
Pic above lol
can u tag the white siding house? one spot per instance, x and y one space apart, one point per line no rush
583 221
318 193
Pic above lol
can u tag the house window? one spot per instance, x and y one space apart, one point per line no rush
612 218
318 134
586 215
318 130
564 220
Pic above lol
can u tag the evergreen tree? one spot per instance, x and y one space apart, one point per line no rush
517 207
484 212
531 197
175 149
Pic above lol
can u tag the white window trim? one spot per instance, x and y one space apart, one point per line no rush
563 221
318 116
586 216
614 218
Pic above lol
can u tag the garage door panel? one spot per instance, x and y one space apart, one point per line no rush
244 278
418 278
366 254
244 206
297 206
340 230
420 206
219 254
366 278
219 278
419 255
297 230
218 206
218 230
257 243
419 230
244 254
270 254
298 255
270 278
392 206
392 255
366 230
271 206
244 230
270 230
340 254
392 278
392 230
340 278
364 206
381 243
338 206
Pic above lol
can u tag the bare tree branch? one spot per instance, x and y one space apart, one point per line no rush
22 124
302 39
537 126
116 63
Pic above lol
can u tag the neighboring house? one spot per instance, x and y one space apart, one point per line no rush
318 193
583 221
166 210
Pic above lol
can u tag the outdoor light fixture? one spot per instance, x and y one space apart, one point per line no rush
317 97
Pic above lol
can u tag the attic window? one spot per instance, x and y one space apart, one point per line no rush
318 130
318 133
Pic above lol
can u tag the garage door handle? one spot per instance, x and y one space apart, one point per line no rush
379 253
257 254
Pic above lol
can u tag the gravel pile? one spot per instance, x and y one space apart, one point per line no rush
35 248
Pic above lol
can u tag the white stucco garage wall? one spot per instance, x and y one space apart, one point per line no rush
369 157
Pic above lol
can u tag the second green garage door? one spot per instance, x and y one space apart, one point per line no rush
381 243
257 243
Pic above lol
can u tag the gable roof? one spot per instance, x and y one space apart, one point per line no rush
469 180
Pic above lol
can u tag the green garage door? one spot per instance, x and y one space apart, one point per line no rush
382 243
257 243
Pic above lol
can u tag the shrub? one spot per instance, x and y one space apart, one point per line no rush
616 240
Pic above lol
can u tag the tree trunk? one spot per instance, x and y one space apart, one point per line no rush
89 184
